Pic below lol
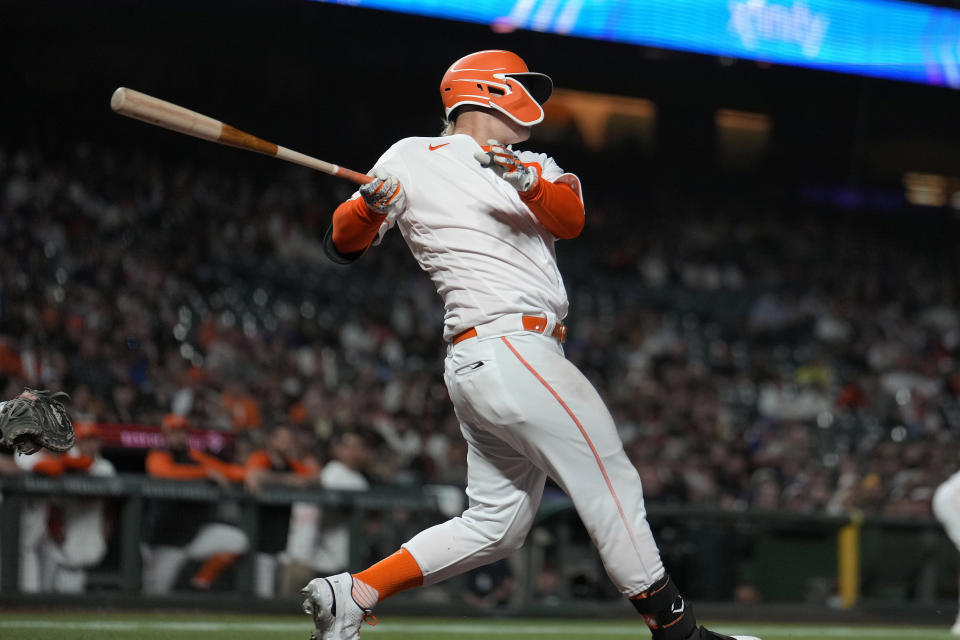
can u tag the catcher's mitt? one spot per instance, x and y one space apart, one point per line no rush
36 419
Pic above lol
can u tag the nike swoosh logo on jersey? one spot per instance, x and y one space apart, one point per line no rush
434 148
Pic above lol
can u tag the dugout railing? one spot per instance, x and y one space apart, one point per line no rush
839 562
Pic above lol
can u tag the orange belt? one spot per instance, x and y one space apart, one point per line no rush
530 323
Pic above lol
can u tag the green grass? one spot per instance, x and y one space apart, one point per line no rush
190 626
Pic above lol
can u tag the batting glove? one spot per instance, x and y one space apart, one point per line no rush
506 164
384 194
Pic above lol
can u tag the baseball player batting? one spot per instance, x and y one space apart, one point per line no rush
482 220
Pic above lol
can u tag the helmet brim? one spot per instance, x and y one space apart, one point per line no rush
539 85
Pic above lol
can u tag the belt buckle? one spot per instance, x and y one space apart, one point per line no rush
562 333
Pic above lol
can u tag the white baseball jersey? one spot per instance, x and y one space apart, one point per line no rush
525 411
485 251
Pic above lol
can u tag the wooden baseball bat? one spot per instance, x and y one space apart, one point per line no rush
161 113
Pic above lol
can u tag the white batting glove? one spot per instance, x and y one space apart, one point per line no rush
507 165
384 194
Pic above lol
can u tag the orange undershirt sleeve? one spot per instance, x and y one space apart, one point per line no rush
77 463
355 226
557 207
305 468
51 466
258 460
160 464
232 472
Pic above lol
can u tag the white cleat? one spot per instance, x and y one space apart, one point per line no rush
955 629
336 615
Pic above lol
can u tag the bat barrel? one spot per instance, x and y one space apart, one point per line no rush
161 113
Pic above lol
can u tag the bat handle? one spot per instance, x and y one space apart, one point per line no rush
353 176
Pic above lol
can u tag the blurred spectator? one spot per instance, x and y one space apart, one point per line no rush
35 537
61 537
349 457
319 539
490 586
175 532
8 467
710 322
243 410
283 461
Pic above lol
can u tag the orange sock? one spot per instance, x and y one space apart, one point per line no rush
393 574
212 568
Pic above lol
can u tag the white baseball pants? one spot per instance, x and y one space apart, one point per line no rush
162 563
527 413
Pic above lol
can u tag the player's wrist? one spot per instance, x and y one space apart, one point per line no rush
371 213
534 191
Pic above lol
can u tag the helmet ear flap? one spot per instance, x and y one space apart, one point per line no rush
519 105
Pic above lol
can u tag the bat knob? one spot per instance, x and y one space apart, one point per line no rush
116 100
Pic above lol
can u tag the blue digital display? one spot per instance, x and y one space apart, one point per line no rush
879 38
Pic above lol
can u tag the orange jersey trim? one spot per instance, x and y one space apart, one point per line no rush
355 225
556 206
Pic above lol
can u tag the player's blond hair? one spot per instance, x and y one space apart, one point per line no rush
448 127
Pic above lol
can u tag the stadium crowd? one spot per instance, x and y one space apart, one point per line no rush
756 352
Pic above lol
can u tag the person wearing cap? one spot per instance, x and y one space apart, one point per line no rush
62 537
482 218
178 531
279 462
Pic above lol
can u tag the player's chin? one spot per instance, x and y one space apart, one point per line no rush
521 133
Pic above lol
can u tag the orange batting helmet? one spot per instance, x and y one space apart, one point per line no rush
498 80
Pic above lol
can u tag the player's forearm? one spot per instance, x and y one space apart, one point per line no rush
233 472
77 462
355 226
306 468
557 207
161 465
178 472
51 466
